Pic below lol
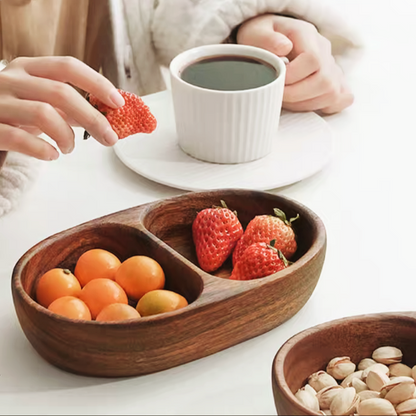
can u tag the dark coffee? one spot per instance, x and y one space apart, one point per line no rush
229 73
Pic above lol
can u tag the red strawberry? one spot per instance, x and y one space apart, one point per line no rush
134 117
265 228
215 232
259 260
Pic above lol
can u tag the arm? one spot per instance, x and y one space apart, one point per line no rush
182 24
314 80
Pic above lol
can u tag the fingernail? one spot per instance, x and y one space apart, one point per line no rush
117 99
67 150
110 137
54 155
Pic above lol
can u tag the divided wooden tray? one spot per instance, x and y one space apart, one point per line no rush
221 312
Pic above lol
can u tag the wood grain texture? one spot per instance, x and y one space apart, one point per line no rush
356 337
221 312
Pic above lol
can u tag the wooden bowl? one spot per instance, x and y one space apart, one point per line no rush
355 337
221 312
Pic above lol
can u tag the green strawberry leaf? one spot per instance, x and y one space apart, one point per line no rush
282 216
283 258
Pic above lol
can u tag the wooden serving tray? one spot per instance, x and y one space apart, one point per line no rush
221 312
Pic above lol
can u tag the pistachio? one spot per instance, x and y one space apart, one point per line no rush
307 399
408 406
387 355
368 394
376 407
381 368
393 382
414 373
398 390
309 388
347 380
327 412
320 380
340 367
326 395
365 363
376 380
345 402
399 369
359 385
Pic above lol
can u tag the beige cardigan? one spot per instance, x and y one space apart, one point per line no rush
130 39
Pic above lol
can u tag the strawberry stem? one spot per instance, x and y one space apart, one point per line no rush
281 215
283 258
271 246
294 219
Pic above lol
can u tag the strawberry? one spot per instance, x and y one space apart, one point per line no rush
259 260
134 117
265 228
215 232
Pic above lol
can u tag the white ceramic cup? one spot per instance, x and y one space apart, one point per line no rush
226 126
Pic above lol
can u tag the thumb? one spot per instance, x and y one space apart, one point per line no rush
261 34
278 44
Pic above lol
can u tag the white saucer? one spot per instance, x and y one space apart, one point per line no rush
303 148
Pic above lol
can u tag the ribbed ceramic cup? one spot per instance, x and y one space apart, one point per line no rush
226 126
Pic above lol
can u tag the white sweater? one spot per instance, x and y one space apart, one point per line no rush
149 33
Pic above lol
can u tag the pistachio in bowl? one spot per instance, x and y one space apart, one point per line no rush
364 365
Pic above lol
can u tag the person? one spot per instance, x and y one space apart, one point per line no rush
96 46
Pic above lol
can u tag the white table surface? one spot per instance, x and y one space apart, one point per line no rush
365 197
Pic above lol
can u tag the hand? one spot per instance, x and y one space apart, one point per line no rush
36 96
314 81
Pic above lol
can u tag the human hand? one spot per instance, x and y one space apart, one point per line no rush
314 81
36 96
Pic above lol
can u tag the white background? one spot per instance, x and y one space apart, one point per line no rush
365 197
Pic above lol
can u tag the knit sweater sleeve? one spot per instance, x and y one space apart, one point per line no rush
182 24
16 172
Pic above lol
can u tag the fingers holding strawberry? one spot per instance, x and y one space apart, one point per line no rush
36 95
132 118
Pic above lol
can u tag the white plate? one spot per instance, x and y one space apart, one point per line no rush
303 148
